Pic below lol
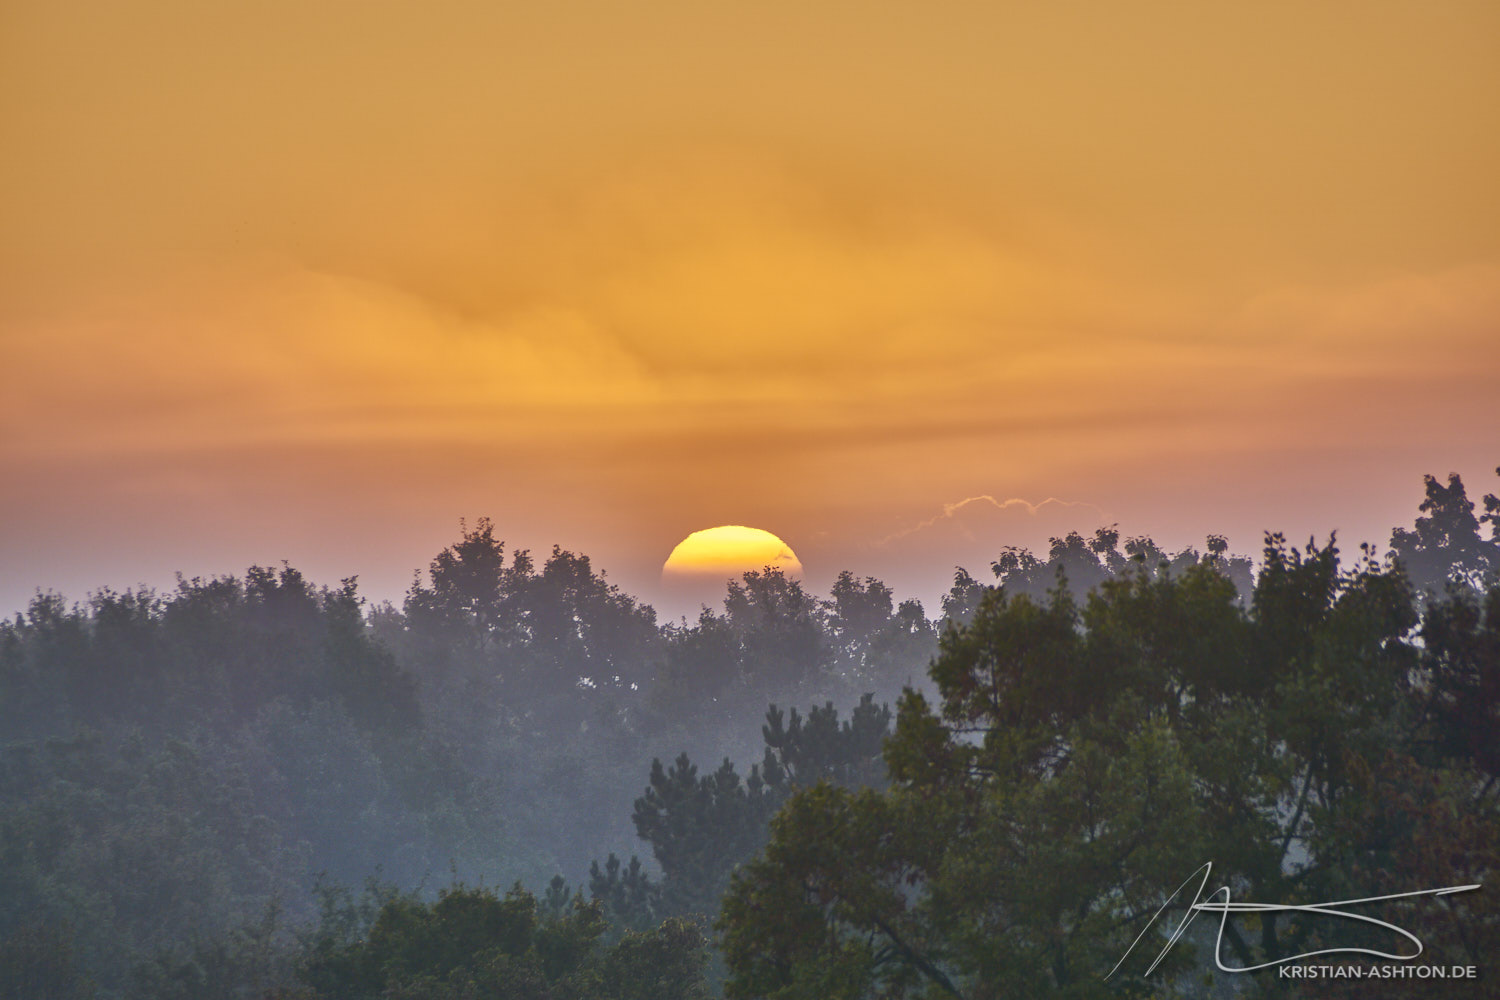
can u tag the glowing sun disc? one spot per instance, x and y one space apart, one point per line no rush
728 551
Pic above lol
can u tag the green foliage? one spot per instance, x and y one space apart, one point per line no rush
871 638
1083 565
471 942
529 635
778 625
774 642
251 961
38 960
1458 682
135 849
175 767
805 751
211 652
701 828
664 964
1081 761
630 900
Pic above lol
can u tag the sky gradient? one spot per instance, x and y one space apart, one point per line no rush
902 285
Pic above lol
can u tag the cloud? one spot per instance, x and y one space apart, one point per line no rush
973 531
983 519
292 357
723 291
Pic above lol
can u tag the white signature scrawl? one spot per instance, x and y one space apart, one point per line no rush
1225 907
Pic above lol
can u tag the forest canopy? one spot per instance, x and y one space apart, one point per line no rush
520 783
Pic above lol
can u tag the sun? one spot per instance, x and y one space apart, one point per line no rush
717 554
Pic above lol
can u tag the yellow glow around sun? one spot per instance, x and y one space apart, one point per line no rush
728 551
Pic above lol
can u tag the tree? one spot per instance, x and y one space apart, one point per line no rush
703 665
630 900
778 628
470 585
39 961
474 942
1083 760
586 631
1446 545
493 634
874 641
803 751
1082 565
702 826
699 828
1459 680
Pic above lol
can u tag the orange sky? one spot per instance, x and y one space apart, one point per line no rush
312 281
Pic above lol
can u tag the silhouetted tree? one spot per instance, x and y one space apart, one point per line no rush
1446 545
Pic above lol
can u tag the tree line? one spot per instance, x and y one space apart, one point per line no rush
192 782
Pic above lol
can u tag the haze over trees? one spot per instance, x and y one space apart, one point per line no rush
521 784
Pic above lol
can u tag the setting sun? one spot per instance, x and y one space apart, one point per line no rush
727 551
